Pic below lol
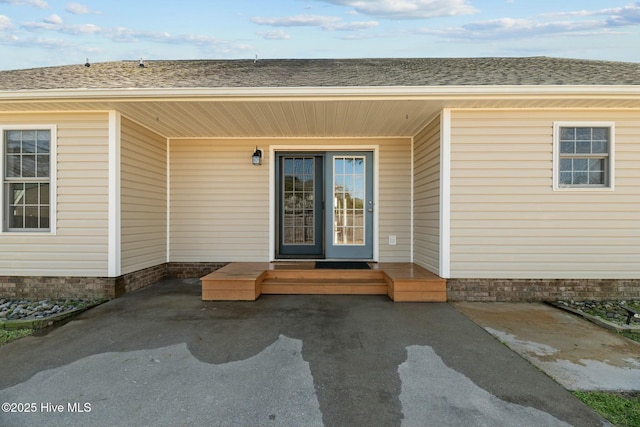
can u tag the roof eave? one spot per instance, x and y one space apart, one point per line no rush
368 92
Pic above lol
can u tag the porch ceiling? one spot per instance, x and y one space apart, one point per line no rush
293 115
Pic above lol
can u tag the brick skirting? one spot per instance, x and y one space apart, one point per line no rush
542 289
36 287
32 287
186 270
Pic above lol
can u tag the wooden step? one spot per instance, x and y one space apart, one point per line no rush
324 274
306 286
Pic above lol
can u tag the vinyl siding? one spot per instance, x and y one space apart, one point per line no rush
143 197
426 193
395 200
220 202
506 220
79 247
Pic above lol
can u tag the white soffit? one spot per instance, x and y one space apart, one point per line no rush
309 112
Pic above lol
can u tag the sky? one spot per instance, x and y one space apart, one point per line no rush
38 33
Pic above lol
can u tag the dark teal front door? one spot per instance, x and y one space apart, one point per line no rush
325 205
300 205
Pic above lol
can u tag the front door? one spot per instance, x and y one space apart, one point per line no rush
325 205
300 205
350 204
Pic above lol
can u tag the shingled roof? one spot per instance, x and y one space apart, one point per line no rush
324 73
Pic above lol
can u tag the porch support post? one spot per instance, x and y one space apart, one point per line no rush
445 194
114 261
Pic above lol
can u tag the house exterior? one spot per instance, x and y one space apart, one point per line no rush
512 178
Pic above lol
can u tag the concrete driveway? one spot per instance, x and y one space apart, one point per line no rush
162 357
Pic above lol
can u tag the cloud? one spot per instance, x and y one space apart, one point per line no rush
53 19
354 26
499 28
274 35
573 23
55 23
80 9
5 23
331 23
407 9
297 21
36 3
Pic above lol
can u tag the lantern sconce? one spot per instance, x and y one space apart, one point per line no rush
256 159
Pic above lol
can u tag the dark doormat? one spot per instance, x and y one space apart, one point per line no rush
343 265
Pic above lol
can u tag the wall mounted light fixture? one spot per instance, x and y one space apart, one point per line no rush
256 159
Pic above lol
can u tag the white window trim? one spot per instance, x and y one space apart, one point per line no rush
53 181
556 156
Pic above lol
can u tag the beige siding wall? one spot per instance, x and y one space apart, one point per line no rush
506 220
79 247
143 197
426 195
394 203
220 202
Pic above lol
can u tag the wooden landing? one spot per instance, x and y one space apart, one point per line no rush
246 281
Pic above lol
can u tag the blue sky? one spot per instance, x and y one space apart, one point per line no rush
36 33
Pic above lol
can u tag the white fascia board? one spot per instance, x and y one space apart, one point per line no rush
402 92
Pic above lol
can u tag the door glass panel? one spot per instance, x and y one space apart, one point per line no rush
348 203
298 191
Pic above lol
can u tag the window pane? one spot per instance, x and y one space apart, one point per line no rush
565 178
580 178
31 219
29 141
29 165
567 147
583 134
583 147
17 193
580 164
13 166
44 194
599 147
567 133
31 194
43 166
288 166
601 134
596 178
565 165
596 165
13 141
44 217
16 214
43 141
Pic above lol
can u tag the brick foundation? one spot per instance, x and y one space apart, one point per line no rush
31 287
34 287
457 289
186 270
542 289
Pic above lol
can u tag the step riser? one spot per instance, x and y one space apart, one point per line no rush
324 274
343 289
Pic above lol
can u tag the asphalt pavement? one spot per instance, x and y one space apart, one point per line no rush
162 357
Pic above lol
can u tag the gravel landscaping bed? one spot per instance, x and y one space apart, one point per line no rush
27 310
606 310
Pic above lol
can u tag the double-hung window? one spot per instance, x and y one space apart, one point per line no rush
27 179
583 155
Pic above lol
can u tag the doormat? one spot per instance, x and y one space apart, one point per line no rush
343 265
